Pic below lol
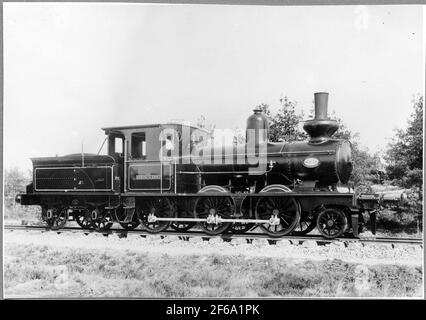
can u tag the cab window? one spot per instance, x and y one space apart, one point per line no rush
115 145
118 145
138 145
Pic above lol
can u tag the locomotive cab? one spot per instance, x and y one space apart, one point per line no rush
149 154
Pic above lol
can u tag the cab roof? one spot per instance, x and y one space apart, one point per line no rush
145 126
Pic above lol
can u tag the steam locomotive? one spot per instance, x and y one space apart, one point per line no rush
170 175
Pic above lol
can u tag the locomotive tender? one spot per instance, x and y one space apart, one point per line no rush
164 175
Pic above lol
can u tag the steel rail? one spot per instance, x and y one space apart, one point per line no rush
249 236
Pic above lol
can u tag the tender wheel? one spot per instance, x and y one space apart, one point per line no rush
332 223
83 220
55 217
101 219
120 214
307 224
286 209
213 206
159 207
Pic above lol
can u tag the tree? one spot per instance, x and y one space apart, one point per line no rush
366 166
284 125
405 160
14 181
405 152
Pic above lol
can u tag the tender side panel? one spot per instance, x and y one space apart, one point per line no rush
73 179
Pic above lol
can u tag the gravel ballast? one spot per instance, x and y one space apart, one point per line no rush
400 254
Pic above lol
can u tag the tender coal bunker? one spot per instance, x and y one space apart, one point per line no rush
90 178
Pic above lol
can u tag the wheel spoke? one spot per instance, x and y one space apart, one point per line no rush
282 218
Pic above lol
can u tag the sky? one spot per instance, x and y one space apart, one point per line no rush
72 68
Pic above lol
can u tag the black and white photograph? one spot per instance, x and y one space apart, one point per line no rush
212 151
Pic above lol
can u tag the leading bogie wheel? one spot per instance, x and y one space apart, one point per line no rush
332 223
160 207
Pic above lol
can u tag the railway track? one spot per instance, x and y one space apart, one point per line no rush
248 236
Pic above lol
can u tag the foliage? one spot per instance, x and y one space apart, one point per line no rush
284 125
14 181
366 167
405 152
405 160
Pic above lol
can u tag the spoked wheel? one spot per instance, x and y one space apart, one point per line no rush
82 219
101 219
184 211
55 217
160 208
214 206
120 214
332 223
307 224
286 209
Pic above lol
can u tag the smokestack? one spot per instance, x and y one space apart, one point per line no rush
321 102
321 128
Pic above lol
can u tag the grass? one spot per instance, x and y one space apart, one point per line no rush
26 214
41 271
